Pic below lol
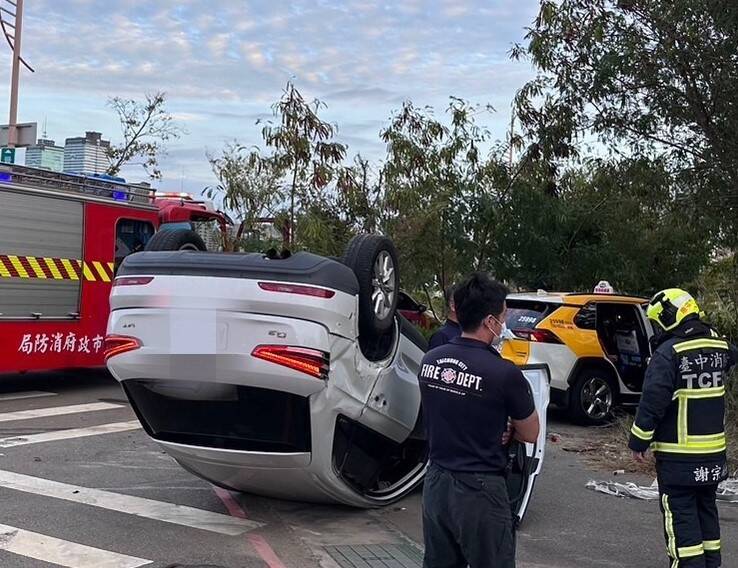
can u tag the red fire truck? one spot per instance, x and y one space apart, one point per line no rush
61 239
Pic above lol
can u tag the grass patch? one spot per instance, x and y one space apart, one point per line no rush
605 448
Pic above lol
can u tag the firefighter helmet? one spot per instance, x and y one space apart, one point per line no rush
671 306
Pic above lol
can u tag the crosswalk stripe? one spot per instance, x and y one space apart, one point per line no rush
25 394
56 411
61 552
138 506
69 434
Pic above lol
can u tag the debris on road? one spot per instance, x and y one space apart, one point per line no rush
627 489
727 491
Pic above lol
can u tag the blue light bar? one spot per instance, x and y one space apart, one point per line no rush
6 177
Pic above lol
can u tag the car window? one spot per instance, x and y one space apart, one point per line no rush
586 317
526 314
131 236
405 302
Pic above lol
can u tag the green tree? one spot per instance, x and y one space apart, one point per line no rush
431 179
145 128
249 186
360 194
609 219
304 149
645 77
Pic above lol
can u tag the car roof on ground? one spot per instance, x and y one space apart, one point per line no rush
575 298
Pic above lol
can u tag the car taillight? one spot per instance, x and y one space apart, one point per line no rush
118 344
537 335
132 280
312 362
297 289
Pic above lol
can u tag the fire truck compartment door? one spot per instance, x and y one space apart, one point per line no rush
45 227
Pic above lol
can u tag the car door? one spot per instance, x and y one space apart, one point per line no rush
393 406
526 460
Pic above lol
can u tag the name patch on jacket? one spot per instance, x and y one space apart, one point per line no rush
703 370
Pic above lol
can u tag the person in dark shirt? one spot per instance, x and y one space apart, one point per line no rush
451 328
469 393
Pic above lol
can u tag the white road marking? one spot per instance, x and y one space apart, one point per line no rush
138 506
25 394
69 434
62 552
56 411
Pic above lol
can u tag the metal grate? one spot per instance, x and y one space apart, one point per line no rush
376 556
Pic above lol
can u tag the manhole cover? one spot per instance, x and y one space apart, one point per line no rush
376 556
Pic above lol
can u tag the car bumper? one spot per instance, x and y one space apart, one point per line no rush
282 476
294 475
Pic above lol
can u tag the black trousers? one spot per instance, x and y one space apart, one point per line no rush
466 521
691 525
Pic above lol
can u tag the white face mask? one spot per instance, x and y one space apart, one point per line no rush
499 337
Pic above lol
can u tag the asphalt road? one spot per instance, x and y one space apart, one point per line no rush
82 486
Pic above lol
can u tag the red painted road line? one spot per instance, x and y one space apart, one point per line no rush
265 551
234 509
260 544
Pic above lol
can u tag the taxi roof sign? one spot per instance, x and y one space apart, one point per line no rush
604 287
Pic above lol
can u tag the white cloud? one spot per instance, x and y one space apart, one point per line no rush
455 9
223 63
218 44
254 54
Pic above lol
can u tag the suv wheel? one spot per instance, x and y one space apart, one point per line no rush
592 397
373 259
176 239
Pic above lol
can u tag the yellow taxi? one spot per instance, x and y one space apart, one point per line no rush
596 346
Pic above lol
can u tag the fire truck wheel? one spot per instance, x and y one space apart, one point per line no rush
373 258
176 239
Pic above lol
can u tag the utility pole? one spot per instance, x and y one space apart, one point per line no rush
11 21
15 77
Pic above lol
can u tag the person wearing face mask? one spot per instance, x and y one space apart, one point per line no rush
469 393
451 328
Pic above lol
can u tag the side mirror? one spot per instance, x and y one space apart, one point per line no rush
422 308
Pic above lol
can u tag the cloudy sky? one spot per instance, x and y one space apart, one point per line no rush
222 63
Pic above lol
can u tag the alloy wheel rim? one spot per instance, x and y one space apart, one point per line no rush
383 285
596 398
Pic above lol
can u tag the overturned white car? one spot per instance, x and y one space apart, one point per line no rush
291 377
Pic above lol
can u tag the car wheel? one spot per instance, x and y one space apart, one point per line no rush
373 259
176 239
592 397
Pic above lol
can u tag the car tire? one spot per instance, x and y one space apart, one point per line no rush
176 239
592 397
373 258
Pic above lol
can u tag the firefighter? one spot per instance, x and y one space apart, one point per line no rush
681 418
469 392
451 328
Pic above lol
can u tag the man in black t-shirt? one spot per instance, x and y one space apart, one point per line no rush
451 328
469 393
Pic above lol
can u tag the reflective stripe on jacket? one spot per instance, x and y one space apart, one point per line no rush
682 410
